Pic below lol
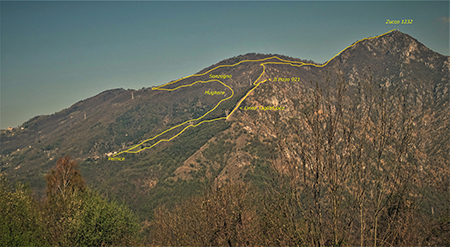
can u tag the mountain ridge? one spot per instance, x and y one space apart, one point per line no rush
226 150
248 56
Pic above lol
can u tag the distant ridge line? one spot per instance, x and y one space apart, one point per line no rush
256 83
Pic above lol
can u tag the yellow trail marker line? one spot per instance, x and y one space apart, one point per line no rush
166 140
287 62
256 83
187 121
221 66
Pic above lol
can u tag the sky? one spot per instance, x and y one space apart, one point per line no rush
56 53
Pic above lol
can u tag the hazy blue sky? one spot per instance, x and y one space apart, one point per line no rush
54 54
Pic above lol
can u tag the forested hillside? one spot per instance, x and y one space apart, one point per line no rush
351 152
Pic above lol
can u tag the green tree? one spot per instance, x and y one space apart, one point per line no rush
78 216
21 223
99 222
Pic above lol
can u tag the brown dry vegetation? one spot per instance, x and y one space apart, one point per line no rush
347 173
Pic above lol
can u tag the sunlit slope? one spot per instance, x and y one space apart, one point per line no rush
234 149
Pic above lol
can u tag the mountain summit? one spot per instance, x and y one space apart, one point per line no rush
152 145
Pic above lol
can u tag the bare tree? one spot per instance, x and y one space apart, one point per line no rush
349 164
63 184
222 217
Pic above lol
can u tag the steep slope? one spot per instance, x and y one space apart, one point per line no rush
396 63
239 148
94 129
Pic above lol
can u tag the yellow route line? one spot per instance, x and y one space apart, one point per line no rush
355 44
299 65
256 83
251 90
221 66
174 127
166 140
